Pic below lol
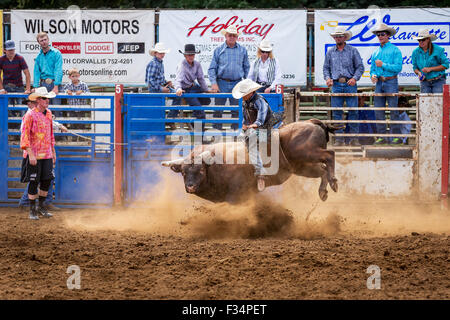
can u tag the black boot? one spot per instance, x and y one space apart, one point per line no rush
44 212
33 214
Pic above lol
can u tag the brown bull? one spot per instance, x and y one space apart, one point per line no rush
302 152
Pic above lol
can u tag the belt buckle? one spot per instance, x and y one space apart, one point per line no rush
48 81
382 78
12 85
342 80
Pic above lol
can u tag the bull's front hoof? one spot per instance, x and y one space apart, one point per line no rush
323 194
334 184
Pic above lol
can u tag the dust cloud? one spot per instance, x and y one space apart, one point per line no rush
280 212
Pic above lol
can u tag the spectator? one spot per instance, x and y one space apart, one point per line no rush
76 87
342 68
38 142
48 70
154 76
386 64
265 70
429 63
187 73
24 201
257 116
229 65
12 66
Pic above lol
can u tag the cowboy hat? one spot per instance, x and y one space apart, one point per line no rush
160 48
230 29
41 92
384 27
425 33
341 31
265 45
189 49
244 87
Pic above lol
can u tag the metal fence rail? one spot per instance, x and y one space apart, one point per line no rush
84 161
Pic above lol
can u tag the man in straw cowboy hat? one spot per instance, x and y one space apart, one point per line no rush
386 63
429 63
257 116
229 65
38 142
57 127
155 80
342 68
189 72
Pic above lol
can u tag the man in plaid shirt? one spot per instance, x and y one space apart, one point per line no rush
76 87
154 76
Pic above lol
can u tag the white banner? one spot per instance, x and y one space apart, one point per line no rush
106 46
285 29
407 22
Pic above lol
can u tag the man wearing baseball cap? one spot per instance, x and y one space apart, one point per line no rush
12 66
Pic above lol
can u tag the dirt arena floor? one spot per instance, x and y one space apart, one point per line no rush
178 247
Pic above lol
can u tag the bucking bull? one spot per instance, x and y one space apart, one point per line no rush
302 151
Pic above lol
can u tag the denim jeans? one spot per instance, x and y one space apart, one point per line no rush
14 89
338 102
255 137
225 87
24 201
434 86
388 86
193 102
175 101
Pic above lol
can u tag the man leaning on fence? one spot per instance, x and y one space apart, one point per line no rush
386 63
48 64
342 68
12 66
229 65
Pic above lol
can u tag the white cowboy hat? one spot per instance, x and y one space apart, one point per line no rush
160 48
230 29
425 33
41 92
384 27
265 45
244 87
341 31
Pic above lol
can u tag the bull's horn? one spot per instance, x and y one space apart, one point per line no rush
207 157
172 162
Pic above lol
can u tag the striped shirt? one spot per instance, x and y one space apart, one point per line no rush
48 65
229 63
268 72
74 88
392 61
154 75
12 70
343 63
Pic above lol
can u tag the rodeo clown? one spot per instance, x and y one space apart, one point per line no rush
38 142
257 115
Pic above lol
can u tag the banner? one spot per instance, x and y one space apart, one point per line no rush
407 22
106 46
285 29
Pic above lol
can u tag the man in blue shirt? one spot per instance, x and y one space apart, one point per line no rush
48 71
386 63
229 65
342 68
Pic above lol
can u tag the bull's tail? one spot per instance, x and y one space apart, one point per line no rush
327 127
